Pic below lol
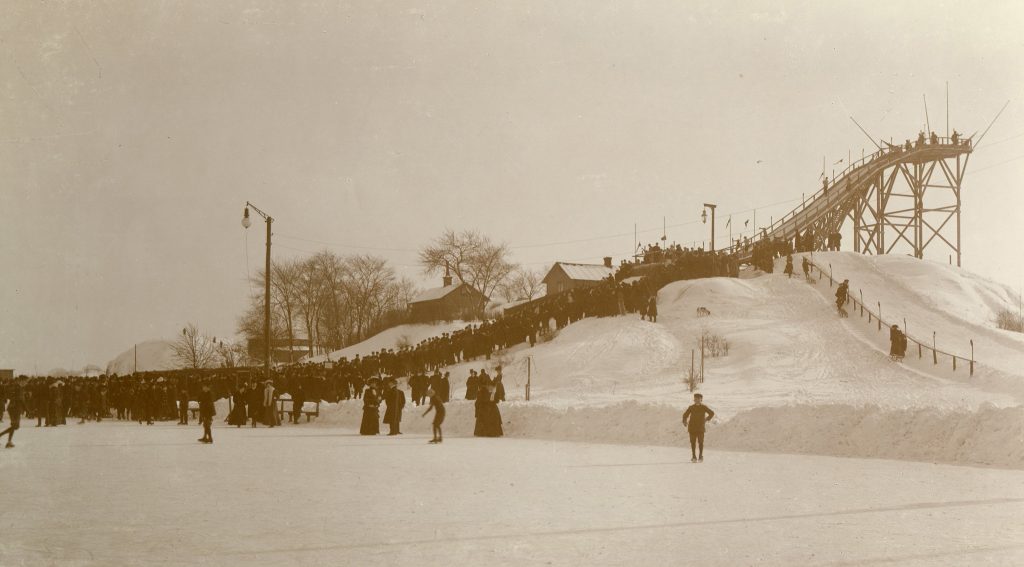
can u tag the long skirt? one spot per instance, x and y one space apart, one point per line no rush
238 415
488 421
371 421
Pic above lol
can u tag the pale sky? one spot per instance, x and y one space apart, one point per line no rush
132 133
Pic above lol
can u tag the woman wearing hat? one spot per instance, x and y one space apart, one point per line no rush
371 411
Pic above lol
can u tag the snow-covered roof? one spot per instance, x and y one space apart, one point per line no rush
435 293
586 272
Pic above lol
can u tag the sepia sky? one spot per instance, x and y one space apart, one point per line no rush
132 133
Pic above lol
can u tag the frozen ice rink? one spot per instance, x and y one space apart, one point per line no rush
123 494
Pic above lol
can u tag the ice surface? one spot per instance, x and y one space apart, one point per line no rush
123 494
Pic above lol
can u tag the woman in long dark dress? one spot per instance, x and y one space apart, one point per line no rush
371 412
488 417
238 415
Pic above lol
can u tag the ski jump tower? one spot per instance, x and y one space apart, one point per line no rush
901 194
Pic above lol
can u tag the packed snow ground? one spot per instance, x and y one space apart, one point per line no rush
796 378
122 494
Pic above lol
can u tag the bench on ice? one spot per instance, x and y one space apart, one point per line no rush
310 409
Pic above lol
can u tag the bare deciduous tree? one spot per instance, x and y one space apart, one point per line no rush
471 256
193 349
522 284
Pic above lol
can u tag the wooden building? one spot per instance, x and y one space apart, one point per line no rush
447 303
564 276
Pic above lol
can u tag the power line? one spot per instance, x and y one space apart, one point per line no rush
538 244
976 171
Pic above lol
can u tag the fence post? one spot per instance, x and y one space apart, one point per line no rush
702 359
529 375
919 355
830 274
954 363
935 355
862 303
972 357
879 315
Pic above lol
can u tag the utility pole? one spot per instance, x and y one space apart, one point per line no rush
266 283
704 218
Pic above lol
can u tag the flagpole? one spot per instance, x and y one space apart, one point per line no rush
730 232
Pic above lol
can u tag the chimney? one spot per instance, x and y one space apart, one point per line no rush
447 276
607 261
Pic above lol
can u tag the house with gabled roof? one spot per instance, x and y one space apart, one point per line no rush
564 276
450 302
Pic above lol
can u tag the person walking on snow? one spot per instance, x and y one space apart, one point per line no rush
789 266
842 294
807 268
694 418
652 309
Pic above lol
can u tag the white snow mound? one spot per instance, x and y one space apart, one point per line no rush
153 355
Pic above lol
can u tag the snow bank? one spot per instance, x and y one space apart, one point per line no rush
153 355
987 436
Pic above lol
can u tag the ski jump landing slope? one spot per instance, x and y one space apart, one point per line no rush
797 378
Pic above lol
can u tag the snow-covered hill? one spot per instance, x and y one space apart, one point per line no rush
155 354
793 366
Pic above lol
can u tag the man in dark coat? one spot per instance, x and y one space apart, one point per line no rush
298 399
394 397
183 406
206 413
694 418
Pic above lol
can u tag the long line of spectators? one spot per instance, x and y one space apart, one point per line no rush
154 396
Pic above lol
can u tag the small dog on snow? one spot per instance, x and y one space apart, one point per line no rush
703 312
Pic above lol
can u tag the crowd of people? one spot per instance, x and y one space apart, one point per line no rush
149 397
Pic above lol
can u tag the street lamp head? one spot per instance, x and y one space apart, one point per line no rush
245 218
704 216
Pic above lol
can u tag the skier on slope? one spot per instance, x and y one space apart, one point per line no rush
693 419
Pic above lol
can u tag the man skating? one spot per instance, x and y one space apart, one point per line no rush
436 404
15 407
694 418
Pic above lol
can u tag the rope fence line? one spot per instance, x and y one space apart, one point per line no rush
922 347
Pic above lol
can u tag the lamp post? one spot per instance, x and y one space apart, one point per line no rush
266 283
704 219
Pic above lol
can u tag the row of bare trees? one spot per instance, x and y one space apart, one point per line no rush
328 300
